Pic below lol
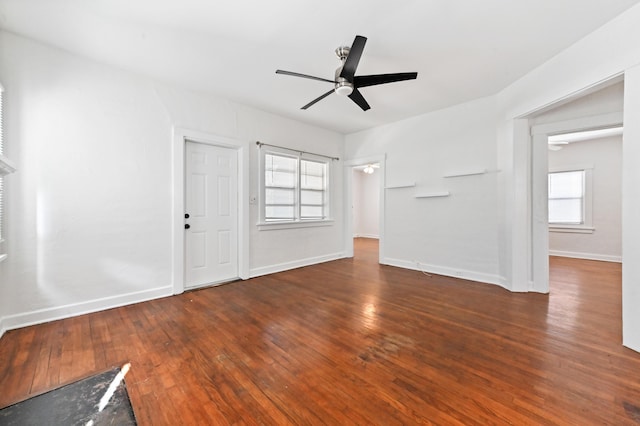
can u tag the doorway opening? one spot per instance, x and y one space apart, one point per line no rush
366 205
576 155
364 201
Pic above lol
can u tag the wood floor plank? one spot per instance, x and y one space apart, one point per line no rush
353 342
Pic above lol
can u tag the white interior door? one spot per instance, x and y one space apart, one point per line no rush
211 203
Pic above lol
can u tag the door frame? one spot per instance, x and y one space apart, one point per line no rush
348 203
180 137
539 281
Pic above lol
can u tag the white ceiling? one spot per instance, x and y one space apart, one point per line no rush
461 49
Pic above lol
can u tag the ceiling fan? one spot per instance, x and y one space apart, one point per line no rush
346 83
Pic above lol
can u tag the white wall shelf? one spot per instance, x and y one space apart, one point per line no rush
433 194
6 166
470 172
402 185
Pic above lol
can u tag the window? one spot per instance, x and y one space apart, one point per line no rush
566 197
280 176
570 199
294 189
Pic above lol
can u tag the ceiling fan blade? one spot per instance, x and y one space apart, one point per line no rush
357 97
372 80
319 98
351 63
297 74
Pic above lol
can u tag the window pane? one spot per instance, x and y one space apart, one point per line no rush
280 179
279 196
280 171
312 174
279 213
279 162
312 168
312 197
312 182
566 184
311 212
566 211
566 193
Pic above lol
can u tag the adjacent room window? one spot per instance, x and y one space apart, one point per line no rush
294 188
570 199
566 197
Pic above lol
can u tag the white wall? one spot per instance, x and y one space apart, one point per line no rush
630 209
88 209
455 235
607 100
605 243
88 218
366 204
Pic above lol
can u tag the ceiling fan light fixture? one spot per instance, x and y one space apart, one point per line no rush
344 88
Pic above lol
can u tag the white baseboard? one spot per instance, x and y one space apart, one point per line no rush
40 316
446 271
272 269
587 256
375 237
631 346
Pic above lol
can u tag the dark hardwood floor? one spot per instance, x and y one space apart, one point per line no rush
352 342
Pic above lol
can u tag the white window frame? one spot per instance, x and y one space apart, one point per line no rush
587 226
297 222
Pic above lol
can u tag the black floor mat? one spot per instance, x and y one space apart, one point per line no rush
74 404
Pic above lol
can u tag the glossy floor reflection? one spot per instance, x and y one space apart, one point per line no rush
353 342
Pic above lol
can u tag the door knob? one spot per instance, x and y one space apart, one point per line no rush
186 215
187 226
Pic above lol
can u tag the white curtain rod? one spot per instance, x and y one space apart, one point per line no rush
296 150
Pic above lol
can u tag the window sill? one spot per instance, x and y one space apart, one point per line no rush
572 229
270 226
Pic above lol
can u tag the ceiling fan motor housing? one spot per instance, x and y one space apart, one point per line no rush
343 52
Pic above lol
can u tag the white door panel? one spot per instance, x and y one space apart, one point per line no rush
211 192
